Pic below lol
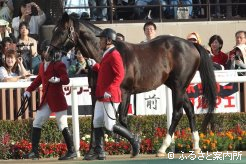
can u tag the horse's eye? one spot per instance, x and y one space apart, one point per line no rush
62 33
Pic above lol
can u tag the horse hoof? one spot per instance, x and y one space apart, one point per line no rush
197 151
160 154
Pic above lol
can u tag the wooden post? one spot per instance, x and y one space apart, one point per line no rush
18 99
3 104
11 104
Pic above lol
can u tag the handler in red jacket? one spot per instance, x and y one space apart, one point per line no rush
52 75
110 75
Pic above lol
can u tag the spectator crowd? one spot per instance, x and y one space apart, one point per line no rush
102 10
21 46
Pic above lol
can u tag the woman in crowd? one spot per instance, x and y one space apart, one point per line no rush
194 37
33 15
5 44
216 44
79 67
13 69
28 47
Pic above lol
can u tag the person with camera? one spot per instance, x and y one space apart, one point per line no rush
238 61
33 15
52 75
240 39
108 92
13 69
28 49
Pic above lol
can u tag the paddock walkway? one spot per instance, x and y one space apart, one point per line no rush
234 158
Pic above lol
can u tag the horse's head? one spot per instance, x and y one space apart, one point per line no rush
70 32
64 35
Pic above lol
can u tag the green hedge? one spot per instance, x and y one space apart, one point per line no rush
143 125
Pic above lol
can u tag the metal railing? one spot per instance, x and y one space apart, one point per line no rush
113 10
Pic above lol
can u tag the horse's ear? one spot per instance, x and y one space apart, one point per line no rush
65 17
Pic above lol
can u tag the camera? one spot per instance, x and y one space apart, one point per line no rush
25 52
31 9
21 45
237 57
34 10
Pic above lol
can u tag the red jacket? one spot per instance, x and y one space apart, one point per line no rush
110 75
52 93
221 58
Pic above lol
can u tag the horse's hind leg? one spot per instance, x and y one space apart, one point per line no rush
189 110
123 108
177 96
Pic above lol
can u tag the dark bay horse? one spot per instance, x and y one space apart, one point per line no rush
166 59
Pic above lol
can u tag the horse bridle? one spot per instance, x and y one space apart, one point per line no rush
72 34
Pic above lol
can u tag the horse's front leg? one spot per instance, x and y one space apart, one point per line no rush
176 116
189 110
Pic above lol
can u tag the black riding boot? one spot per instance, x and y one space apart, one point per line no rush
98 152
71 154
122 131
36 134
92 146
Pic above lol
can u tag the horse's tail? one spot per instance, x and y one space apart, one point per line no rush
208 80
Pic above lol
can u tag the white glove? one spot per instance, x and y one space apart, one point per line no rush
91 62
54 79
27 94
106 95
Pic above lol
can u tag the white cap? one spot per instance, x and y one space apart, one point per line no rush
3 22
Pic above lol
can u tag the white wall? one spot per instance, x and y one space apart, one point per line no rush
134 31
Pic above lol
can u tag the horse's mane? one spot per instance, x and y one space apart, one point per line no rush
91 26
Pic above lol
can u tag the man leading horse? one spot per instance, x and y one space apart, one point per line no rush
108 93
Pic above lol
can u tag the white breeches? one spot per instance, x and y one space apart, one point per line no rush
43 115
102 113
